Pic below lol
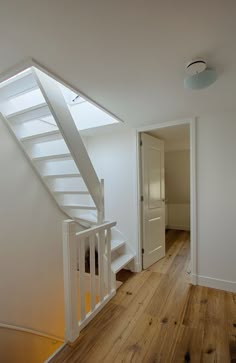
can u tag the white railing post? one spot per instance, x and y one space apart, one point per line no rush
92 272
108 250
82 277
101 249
101 213
70 281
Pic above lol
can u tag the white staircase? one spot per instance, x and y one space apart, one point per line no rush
35 107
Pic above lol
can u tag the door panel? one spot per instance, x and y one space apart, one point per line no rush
153 205
153 177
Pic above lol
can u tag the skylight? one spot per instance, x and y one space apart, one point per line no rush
21 93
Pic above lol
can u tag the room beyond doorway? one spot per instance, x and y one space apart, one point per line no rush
179 176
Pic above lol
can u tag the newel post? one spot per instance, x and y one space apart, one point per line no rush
101 215
70 281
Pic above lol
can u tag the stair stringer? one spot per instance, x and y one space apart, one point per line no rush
59 109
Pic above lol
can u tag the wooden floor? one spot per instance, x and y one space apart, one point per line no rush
157 316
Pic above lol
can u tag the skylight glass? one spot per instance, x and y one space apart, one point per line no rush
22 93
87 116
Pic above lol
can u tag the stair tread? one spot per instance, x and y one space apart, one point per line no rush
121 262
23 83
71 192
60 175
39 135
29 110
115 244
51 156
79 206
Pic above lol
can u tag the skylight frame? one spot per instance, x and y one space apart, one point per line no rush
32 63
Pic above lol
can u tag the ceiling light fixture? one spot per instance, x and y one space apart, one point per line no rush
199 76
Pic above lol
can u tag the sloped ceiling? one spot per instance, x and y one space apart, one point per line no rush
128 56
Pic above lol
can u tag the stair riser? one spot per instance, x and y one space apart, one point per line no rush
66 184
32 128
74 199
57 167
43 138
45 149
23 102
30 115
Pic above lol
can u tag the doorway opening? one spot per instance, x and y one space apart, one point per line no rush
167 192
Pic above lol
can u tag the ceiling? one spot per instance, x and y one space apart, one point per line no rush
128 56
175 137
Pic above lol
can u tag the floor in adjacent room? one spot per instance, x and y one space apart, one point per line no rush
158 316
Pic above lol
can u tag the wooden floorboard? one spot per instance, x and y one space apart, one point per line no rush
158 316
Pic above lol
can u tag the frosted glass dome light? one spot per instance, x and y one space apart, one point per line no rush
199 76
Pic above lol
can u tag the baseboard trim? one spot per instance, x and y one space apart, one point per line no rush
215 283
30 331
137 267
178 228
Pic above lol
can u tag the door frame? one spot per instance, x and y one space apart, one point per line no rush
193 192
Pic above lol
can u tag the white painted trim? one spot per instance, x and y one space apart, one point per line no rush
30 331
163 125
193 200
30 62
216 283
70 280
193 214
136 183
19 67
137 267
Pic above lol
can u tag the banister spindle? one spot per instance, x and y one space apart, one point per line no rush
92 271
82 277
101 241
108 243
70 280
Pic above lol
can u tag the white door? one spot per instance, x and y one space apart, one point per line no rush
153 199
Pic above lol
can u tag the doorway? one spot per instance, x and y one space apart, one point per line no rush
176 198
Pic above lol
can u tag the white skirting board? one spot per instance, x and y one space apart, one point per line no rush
215 283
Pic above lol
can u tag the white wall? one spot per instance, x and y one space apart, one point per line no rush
178 216
216 191
177 183
113 156
31 275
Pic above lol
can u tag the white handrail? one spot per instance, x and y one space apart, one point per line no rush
96 229
85 291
